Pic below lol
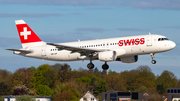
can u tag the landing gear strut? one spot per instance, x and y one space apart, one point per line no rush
90 65
152 56
105 66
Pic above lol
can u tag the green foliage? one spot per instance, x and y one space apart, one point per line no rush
63 72
166 79
1 99
111 72
1 80
60 82
32 70
66 92
25 98
59 88
115 82
72 89
142 89
145 77
64 96
43 90
4 74
95 84
44 75
22 76
5 89
142 76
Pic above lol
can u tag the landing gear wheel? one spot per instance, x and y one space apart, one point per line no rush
152 56
105 66
90 65
153 61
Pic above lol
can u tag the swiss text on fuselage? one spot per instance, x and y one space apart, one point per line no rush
129 42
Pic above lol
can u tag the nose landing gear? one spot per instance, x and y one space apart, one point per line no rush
152 56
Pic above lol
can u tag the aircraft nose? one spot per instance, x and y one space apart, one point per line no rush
173 45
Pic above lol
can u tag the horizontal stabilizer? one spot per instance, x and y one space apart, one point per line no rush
20 50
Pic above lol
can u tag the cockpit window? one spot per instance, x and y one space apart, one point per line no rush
162 39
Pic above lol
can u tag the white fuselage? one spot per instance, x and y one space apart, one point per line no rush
124 46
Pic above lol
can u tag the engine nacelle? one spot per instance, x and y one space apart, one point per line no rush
129 59
107 56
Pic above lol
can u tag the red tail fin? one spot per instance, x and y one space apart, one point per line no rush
26 34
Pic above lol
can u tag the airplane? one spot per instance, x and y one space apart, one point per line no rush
124 49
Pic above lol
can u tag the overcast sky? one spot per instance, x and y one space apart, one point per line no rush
69 20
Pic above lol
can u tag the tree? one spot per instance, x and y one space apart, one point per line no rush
166 79
111 72
129 78
115 82
59 88
22 90
43 90
44 75
66 92
63 72
5 89
22 76
96 72
95 84
145 77
142 89
64 96
5 74
32 69
25 98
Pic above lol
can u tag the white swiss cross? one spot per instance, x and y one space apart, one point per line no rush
25 33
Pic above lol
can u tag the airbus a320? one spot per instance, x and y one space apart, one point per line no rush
124 49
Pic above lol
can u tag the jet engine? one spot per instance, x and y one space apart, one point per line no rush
128 59
107 56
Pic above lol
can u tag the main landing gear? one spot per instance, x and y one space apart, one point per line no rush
152 56
90 65
105 66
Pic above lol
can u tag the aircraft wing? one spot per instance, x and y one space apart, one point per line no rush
21 50
84 51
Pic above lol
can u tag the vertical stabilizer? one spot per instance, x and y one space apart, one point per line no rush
26 34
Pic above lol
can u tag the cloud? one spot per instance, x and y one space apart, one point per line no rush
54 2
131 29
99 8
149 4
35 15
173 27
91 29
152 4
